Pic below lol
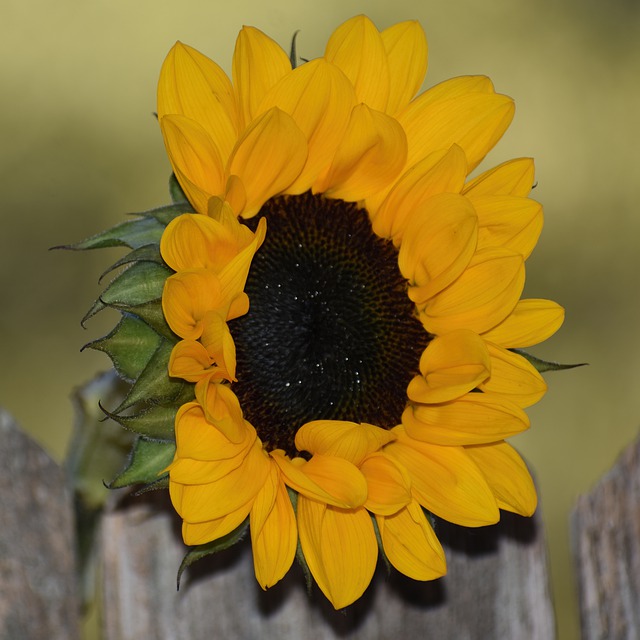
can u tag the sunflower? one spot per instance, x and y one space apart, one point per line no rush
347 303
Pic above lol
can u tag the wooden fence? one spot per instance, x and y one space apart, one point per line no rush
497 585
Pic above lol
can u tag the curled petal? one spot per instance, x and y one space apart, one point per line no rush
439 244
258 63
219 344
471 419
326 479
190 361
194 86
514 377
531 322
222 409
268 158
511 178
445 481
482 297
340 549
439 172
411 545
347 440
507 475
371 155
357 48
274 534
195 159
451 365
389 485
406 47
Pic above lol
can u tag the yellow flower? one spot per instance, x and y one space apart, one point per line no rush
347 303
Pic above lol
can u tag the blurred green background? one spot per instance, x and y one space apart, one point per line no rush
80 148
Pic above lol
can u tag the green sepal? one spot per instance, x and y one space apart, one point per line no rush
302 561
141 282
130 346
383 555
156 422
159 484
543 365
146 253
151 313
132 233
154 384
175 191
201 551
148 459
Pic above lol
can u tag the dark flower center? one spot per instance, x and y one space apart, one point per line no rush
330 333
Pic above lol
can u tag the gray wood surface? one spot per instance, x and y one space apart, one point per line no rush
497 587
606 542
37 573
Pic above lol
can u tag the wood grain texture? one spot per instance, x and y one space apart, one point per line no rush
606 543
497 587
37 572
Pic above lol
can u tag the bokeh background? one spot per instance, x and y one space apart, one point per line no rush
80 147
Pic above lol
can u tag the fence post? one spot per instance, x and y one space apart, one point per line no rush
606 541
37 574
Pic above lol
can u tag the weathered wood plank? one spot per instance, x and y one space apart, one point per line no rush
37 572
606 542
497 587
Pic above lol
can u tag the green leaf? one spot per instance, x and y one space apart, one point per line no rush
203 550
148 460
154 384
130 346
176 192
132 233
156 422
147 253
543 365
151 312
141 282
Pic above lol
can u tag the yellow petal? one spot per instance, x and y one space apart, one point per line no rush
511 178
195 159
389 485
274 534
508 221
340 549
406 47
192 85
219 344
371 155
451 365
445 481
198 439
194 533
187 297
268 157
326 479
222 409
531 322
357 48
204 502
319 98
440 172
411 545
194 241
513 377
455 113
507 475
348 440
258 63
472 419
189 360
482 297
439 244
